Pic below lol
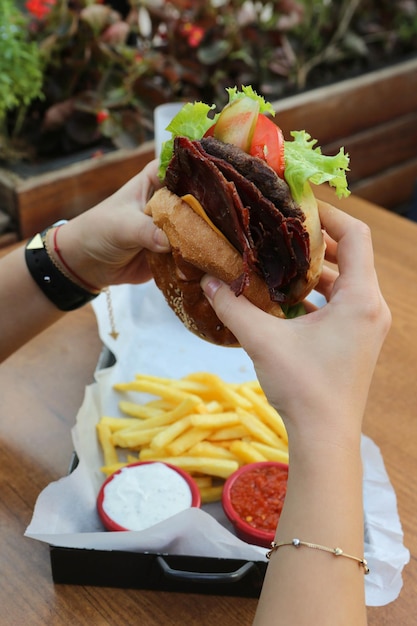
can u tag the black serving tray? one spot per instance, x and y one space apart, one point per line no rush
134 570
138 570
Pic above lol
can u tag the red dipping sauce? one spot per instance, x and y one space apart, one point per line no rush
253 498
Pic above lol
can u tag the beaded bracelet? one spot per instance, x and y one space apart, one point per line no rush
335 551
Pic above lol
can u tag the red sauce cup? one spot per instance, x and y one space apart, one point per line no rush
111 524
252 500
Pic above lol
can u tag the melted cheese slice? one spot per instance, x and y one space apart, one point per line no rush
197 208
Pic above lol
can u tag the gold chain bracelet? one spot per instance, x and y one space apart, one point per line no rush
296 543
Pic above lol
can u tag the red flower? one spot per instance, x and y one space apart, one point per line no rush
39 8
193 33
102 116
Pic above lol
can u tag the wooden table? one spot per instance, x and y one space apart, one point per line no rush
42 388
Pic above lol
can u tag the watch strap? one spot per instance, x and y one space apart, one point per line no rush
63 292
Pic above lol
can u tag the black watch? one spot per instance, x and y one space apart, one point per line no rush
63 292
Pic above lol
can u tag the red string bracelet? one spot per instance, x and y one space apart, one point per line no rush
67 267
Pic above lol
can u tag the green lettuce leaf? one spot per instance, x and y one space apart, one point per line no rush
191 121
294 310
305 164
249 92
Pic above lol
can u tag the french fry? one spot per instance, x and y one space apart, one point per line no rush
164 438
232 432
222 444
162 405
282 445
271 454
222 391
154 379
203 482
164 418
105 438
214 467
254 385
205 448
212 406
141 411
167 392
211 494
187 406
188 439
198 422
265 411
134 438
216 420
149 454
146 424
258 429
184 384
118 423
246 452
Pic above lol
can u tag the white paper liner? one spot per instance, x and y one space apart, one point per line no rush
152 341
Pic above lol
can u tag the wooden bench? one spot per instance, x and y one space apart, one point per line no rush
36 201
374 117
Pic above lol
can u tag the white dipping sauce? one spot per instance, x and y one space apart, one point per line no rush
143 495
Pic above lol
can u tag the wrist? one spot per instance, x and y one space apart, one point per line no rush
70 259
56 284
324 494
312 455
326 428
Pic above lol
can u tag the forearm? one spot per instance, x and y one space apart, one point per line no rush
323 506
25 310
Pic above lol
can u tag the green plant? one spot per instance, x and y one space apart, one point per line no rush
20 71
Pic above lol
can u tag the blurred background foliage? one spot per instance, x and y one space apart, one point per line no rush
82 73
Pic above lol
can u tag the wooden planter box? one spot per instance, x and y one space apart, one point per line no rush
374 116
37 201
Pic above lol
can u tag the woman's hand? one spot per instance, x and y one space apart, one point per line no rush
301 363
105 245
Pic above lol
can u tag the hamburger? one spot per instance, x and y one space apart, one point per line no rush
237 203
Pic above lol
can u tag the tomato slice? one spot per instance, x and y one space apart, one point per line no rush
268 144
